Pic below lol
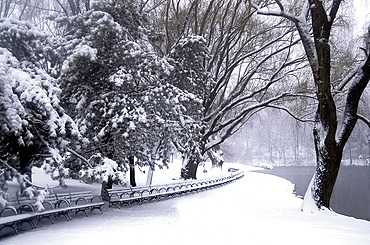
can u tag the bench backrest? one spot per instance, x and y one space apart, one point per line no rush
75 197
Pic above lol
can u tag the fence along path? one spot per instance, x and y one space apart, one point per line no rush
21 211
129 195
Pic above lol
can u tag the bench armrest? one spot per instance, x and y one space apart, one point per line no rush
83 199
59 203
99 199
11 209
26 208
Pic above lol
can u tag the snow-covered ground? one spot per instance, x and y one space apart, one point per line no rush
257 209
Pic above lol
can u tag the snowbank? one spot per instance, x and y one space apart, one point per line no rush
257 209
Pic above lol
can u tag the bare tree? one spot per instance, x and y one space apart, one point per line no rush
249 61
7 7
330 137
73 7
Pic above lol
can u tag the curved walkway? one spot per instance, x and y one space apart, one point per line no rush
257 209
117 197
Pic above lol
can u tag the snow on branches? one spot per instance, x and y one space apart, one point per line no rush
120 93
34 127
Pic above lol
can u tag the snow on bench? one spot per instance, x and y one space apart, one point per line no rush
22 210
129 195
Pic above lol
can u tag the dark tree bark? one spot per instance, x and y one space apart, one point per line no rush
328 155
189 169
215 155
329 139
131 160
104 188
25 168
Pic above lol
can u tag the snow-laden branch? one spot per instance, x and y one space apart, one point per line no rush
347 79
355 91
23 177
230 131
302 26
282 108
233 99
352 74
223 81
233 122
80 157
280 12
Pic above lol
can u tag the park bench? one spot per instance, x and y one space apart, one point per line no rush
80 202
21 210
9 217
129 195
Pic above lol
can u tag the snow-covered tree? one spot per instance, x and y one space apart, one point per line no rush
191 78
239 75
116 89
331 131
34 127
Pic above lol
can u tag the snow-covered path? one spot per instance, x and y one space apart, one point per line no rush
257 209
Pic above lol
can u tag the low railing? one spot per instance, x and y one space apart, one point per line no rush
129 195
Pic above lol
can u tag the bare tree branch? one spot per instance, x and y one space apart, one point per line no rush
290 113
64 9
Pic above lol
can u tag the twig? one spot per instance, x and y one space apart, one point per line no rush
80 157
23 177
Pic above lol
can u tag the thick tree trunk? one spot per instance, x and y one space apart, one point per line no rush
328 154
150 176
191 161
24 163
328 140
215 154
328 159
131 160
189 169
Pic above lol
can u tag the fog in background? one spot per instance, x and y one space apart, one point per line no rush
275 138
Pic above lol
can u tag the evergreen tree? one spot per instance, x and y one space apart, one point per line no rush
115 88
190 76
34 127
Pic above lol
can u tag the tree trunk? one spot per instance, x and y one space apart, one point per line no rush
190 167
328 159
328 154
131 160
191 159
104 188
328 140
24 163
150 176
215 154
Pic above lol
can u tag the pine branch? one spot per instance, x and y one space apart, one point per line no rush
22 177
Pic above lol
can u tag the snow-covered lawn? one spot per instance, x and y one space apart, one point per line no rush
257 209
